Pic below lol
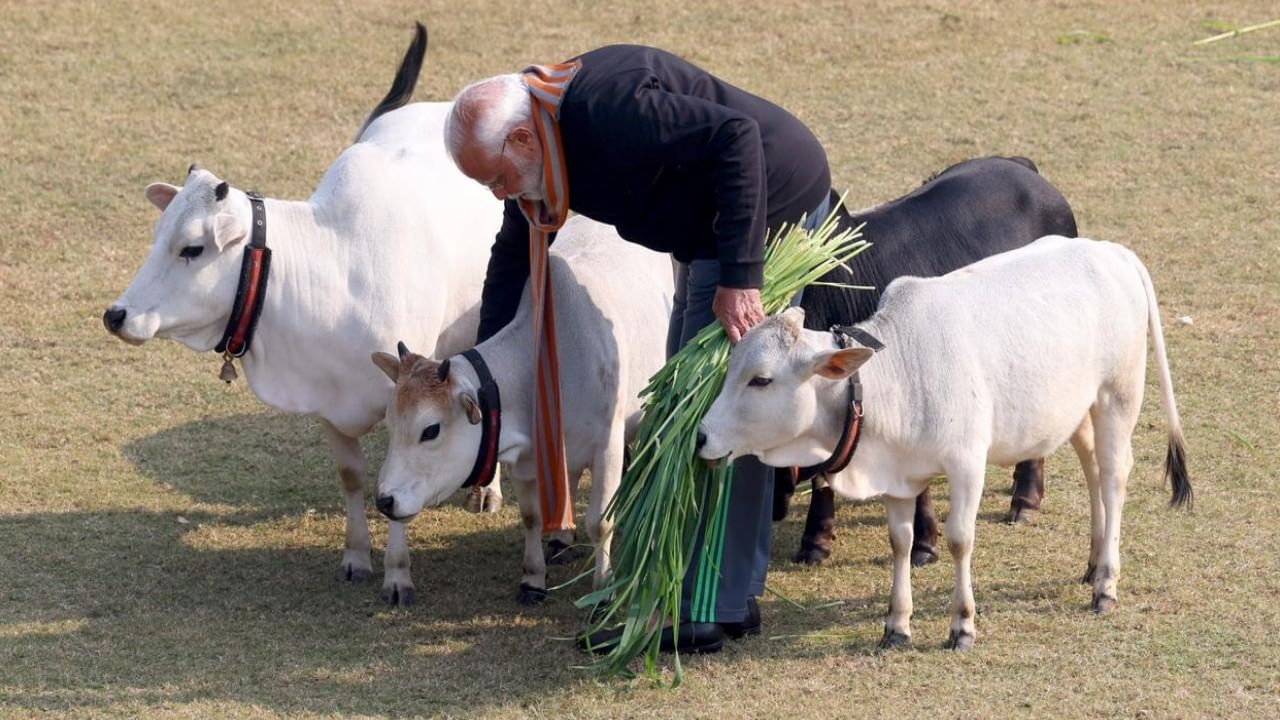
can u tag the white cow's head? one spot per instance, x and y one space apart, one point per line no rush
187 286
433 422
781 379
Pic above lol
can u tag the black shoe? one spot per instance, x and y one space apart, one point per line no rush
694 639
750 625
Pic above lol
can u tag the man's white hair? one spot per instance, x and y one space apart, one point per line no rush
485 112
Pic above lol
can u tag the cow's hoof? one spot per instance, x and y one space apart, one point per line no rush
559 553
894 640
1019 515
921 556
1088 574
811 555
1103 604
354 574
530 595
960 641
395 595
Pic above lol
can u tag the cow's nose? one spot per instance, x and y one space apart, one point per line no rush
113 319
387 505
702 440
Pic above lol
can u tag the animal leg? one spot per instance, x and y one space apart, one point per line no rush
1113 430
533 584
819 526
1082 441
486 499
397 585
357 566
1028 491
897 624
606 476
966 493
925 548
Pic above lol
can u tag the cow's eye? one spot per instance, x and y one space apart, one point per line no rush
430 432
191 252
758 381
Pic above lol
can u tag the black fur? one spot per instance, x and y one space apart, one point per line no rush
402 350
1175 469
220 192
406 78
970 210
443 372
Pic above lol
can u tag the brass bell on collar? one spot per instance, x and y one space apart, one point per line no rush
228 373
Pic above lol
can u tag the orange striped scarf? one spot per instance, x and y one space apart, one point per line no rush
547 85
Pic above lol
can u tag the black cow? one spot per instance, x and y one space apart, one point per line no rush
969 211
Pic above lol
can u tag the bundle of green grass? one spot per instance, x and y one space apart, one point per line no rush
666 488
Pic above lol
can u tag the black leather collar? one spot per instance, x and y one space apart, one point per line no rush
486 466
852 430
251 293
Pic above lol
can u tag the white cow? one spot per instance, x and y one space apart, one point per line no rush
997 362
613 304
392 245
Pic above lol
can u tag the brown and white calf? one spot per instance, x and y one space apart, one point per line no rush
613 305
996 362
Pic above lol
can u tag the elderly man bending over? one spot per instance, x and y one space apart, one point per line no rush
680 162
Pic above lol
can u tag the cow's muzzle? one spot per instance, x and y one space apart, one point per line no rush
387 506
113 319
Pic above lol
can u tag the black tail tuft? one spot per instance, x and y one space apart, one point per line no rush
1175 469
406 78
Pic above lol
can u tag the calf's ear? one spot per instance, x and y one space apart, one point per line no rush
840 364
473 409
387 363
227 230
161 194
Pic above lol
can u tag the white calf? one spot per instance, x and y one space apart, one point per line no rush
613 304
997 362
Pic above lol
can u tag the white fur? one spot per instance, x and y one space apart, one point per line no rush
997 362
613 305
392 246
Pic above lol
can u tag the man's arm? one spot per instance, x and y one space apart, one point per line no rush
676 129
508 271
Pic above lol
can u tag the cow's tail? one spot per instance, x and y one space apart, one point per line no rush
406 79
1175 464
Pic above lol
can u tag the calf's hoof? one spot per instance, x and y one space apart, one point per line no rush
1103 604
1022 515
397 595
559 553
530 595
354 573
923 555
894 640
811 555
960 641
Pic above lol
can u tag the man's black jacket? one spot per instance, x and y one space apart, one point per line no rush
678 160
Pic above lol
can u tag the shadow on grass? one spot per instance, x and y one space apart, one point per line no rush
270 462
126 607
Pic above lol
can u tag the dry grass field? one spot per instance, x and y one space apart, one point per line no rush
168 544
